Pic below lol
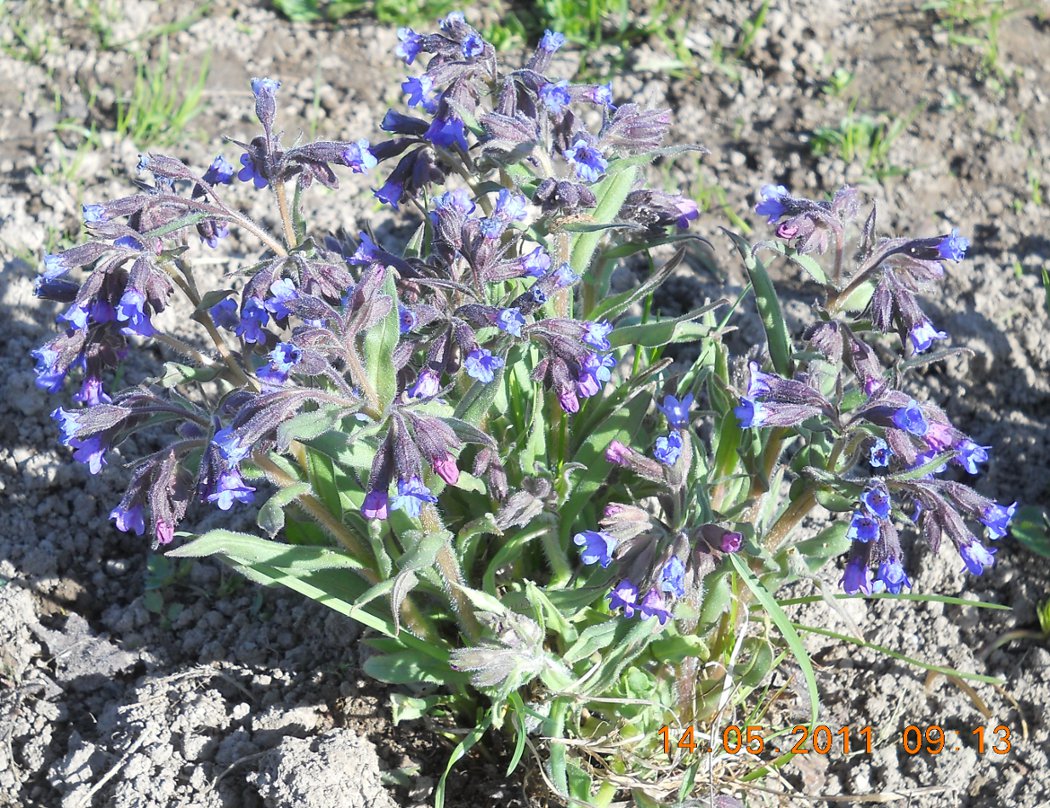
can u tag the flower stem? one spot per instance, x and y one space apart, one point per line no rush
450 570
286 216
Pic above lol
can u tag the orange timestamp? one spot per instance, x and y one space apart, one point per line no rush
823 740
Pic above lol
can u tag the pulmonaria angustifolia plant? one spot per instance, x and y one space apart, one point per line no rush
467 441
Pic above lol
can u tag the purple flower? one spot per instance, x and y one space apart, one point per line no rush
219 172
376 504
358 156
91 392
876 500
595 370
996 518
953 247
367 252
446 133
565 276
457 199
90 451
427 385
891 577
910 419
482 365
492 227
770 202
129 520
254 318
76 315
128 243
654 605
923 458
624 596
67 421
283 291
420 92
131 310
687 211
732 541
473 46
597 547
976 556
601 94
390 193
406 319
568 400
511 321
230 446
749 413
48 376
922 335
536 263
857 577
676 412
411 494
862 528
672 577
93 214
410 45
282 359
970 454
251 172
668 449
265 87
879 454
555 96
597 335
617 453
759 383
446 468
551 41
511 207
211 230
224 314
230 488
587 160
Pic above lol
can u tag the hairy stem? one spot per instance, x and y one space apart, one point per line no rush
286 216
449 568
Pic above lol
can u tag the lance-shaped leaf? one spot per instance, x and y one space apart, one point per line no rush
379 343
611 193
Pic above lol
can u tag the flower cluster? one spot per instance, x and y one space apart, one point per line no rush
894 448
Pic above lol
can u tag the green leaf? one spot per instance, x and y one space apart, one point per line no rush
768 306
271 514
379 343
616 304
464 746
806 262
409 668
787 630
611 193
1031 527
176 373
308 425
244 548
593 639
672 650
322 473
658 332
1046 290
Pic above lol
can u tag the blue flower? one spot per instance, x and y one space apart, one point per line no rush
771 203
536 263
94 214
131 310
672 578
595 370
376 504
492 227
473 46
587 160
390 193
891 577
668 448
48 376
597 547
90 451
130 519
55 266
251 172
624 596
862 528
511 207
996 518
230 488
857 577
420 92
597 334
406 319
230 446
283 291
511 321
910 419
976 556
879 454
953 247
759 383
367 252
91 392
922 335
68 423
358 157
446 133
654 605
411 494
750 413
224 314
677 412
410 45
551 41
482 365
970 454
555 96
923 458
876 500
282 359
128 243
77 315
457 199
266 88
219 172
601 94
254 318
565 276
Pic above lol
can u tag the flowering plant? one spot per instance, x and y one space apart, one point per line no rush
471 445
